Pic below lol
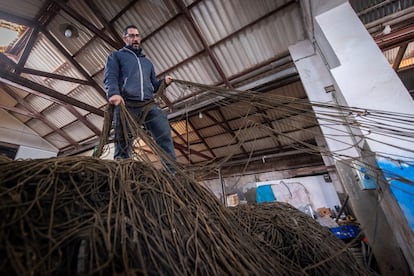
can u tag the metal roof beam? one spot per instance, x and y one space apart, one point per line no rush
83 120
399 57
201 138
19 111
37 114
187 14
102 19
202 155
74 62
88 25
55 76
17 19
16 80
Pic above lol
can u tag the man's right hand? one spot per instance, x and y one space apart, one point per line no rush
116 100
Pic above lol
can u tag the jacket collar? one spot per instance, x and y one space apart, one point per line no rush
138 51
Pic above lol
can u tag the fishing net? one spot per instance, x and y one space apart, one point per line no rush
83 215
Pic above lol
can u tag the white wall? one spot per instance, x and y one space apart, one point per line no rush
25 152
13 131
321 193
300 191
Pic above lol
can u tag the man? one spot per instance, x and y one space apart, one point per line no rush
130 79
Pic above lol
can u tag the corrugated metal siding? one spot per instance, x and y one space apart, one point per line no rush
95 120
407 60
147 15
88 95
215 18
99 79
83 9
44 56
110 9
38 103
59 116
72 44
57 140
383 9
6 99
41 128
260 144
294 137
27 9
213 130
199 70
262 41
19 92
172 44
227 150
391 54
94 56
78 131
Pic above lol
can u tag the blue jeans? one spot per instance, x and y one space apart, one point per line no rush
156 122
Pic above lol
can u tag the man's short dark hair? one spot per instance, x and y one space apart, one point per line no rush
125 32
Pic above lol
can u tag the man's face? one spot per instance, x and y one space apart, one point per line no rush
132 38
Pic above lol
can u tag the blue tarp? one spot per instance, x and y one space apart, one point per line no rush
401 179
264 193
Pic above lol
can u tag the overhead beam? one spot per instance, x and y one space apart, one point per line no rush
83 120
396 38
74 62
19 111
17 19
202 155
16 80
182 7
399 57
181 149
38 115
102 19
201 138
231 131
88 25
55 76
27 49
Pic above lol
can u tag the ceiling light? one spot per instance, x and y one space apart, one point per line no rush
68 30
387 30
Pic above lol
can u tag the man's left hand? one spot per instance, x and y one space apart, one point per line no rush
168 80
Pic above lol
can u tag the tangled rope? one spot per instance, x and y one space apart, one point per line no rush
83 215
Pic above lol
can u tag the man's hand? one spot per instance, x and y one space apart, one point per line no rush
116 100
168 80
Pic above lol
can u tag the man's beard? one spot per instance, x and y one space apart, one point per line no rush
135 45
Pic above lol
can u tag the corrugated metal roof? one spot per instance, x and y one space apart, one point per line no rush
371 10
56 140
59 115
147 15
239 39
38 103
27 9
78 131
41 128
94 56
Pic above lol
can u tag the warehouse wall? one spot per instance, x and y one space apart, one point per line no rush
318 190
31 145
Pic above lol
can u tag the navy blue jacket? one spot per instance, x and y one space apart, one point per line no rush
130 74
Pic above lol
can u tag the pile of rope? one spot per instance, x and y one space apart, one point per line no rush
299 237
84 215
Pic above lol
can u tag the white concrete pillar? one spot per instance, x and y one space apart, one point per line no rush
315 78
364 77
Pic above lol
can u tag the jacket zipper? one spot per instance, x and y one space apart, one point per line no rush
140 74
